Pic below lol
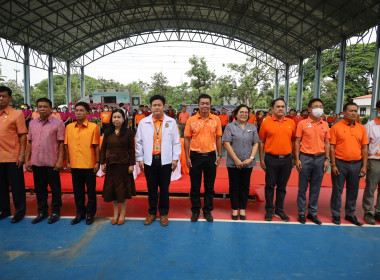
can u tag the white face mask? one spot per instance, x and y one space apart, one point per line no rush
298 114
317 112
105 109
54 111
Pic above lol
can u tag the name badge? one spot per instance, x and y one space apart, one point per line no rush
166 125
157 147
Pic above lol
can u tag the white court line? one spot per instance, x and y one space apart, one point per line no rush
231 221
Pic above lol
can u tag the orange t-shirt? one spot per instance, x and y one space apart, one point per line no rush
138 118
79 140
56 115
203 132
183 117
252 119
297 119
224 119
35 115
313 135
157 129
12 123
106 117
331 119
278 135
348 140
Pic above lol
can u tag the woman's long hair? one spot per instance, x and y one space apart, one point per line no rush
111 127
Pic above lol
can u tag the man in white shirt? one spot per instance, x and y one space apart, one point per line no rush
158 150
372 214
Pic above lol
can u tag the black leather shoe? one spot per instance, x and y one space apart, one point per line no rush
234 217
314 219
208 217
281 215
194 217
53 218
269 215
77 219
336 220
90 220
39 218
302 219
243 217
353 220
16 219
4 215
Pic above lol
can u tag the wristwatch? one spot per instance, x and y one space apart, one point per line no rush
220 155
252 157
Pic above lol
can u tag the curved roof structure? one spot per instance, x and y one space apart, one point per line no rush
287 30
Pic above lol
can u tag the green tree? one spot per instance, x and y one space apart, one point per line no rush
17 92
201 76
159 85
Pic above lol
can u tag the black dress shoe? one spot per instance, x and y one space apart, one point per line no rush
4 215
90 220
282 216
53 218
269 215
353 220
336 220
17 218
194 217
243 217
208 217
39 218
77 219
234 217
302 219
314 219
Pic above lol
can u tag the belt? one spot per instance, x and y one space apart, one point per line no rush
313 156
202 154
351 161
156 156
278 156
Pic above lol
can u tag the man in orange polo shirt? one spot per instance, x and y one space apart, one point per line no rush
205 133
82 140
349 156
224 118
277 134
183 116
12 157
252 117
312 152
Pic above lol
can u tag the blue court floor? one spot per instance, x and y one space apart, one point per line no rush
185 250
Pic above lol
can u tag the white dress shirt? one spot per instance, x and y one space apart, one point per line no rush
170 145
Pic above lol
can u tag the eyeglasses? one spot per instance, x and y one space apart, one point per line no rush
243 113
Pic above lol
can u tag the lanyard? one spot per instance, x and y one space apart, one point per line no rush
159 129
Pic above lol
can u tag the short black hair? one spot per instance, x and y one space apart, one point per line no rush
7 89
157 97
85 105
44 99
349 104
314 100
141 106
237 109
292 110
274 101
105 106
378 104
204 95
121 104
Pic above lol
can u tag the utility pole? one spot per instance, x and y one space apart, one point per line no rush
16 75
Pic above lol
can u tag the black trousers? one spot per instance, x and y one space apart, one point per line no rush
11 175
82 178
206 165
277 173
44 176
239 180
158 175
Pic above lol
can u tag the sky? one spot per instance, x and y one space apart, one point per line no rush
142 62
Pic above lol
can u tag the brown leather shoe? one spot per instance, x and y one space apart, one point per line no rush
164 220
149 220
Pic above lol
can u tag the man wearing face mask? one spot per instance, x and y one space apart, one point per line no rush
340 117
139 116
312 152
349 156
105 117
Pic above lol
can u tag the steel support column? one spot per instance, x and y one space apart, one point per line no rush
341 76
300 85
318 72
51 80
376 77
26 76
82 94
276 90
286 90
68 83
